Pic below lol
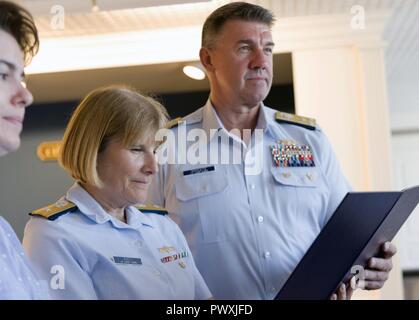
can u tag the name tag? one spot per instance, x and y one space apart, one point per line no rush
127 260
200 170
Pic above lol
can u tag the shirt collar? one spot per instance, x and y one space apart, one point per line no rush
136 217
211 120
270 125
262 122
94 211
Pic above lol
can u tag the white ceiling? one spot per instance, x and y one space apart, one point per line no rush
43 7
401 33
130 16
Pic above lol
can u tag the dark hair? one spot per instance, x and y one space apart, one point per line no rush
233 11
19 23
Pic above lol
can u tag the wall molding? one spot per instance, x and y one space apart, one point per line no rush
183 43
328 31
404 122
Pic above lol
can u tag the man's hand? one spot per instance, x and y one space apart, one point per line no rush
376 274
344 292
378 268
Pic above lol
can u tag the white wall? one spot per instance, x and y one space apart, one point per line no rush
404 102
340 79
404 106
38 183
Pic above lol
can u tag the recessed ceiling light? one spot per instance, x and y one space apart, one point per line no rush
194 71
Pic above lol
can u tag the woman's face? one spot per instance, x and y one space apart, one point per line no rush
14 97
126 172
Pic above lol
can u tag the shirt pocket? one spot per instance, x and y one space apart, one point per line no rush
296 176
209 193
193 186
303 199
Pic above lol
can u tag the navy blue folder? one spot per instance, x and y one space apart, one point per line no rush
360 225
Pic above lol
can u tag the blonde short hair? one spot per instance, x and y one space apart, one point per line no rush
105 114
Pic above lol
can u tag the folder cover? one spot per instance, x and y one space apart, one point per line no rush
355 232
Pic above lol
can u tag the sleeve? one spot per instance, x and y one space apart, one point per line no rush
9 285
202 291
337 183
9 243
58 260
17 272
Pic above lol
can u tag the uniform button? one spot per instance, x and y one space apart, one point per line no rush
157 273
204 189
260 219
252 186
273 290
267 255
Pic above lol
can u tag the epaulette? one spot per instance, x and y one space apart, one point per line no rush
150 208
174 123
308 123
55 210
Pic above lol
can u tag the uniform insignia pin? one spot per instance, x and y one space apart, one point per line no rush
166 249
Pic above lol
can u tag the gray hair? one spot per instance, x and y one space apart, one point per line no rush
233 11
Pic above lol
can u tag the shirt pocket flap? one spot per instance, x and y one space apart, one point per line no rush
198 185
297 177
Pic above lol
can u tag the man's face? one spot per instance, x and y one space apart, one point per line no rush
242 62
14 97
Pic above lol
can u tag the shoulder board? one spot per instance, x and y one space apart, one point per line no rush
174 123
194 117
149 208
305 122
55 210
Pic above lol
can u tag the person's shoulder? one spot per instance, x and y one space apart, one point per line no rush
290 119
151 209
296 127
7 235
4 226
158 215
191 119
50 222
54 211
